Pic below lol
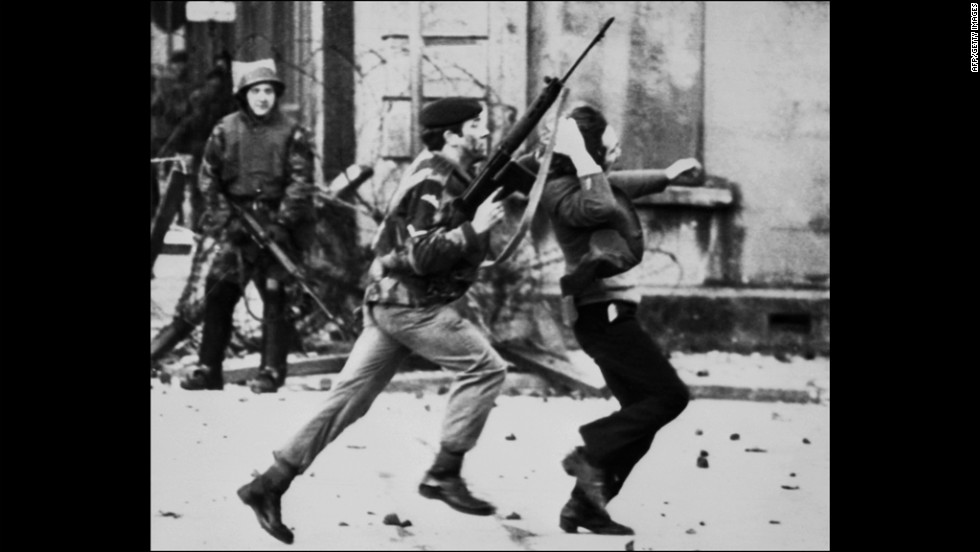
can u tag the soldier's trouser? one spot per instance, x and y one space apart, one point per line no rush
219 306
223 291
649 391
438 334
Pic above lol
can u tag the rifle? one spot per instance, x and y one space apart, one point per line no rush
262 238
489 178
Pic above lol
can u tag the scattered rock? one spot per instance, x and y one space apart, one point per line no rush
534 394
165 377
170 514
326 384
428 408
755 449
735 437
782 357
419 394
407 523
663 514
356 447
790 488
312 474
774 522
392 519
343 524
806 441
690 531
776 416
702 373
510 437
699 432
704 453
629 545
443 389
513 515
370 513
702 462
242 399
792 474
701 523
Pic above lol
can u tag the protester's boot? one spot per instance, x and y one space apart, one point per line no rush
580 512
218 310
264 494
591 479
275 341
443 482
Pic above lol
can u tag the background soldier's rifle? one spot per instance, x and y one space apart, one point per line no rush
490 177
261 237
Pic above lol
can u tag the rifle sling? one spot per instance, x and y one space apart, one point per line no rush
536 191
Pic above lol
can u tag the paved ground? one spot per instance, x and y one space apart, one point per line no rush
205 444
767 490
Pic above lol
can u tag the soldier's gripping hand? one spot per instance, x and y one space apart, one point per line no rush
685 172
487 215
235 232
278 234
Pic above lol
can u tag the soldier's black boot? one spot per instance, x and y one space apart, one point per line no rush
443 482
204 378
591 479
264 495
218 310
580 512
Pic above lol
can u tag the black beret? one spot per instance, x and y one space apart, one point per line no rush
449 112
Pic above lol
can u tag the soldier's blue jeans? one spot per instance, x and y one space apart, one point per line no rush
437 333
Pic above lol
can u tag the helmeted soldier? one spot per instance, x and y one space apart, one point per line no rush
262 161
424 263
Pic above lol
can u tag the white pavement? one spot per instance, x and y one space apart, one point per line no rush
204 445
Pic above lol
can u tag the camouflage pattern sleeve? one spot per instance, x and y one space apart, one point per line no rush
217 210
433 248
297 204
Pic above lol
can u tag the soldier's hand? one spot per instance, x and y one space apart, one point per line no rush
278 234
487 215
235 232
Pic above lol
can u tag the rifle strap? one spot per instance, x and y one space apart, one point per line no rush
536 191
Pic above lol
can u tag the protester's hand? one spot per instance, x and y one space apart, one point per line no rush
487 215
569 141
684 171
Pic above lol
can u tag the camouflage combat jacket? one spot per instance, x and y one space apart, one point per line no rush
253 161
423 260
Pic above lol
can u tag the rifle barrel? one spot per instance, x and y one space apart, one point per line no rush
598 37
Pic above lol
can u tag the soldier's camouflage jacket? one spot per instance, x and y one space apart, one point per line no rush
265 164
423 261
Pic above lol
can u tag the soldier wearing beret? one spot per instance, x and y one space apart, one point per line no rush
423 264
261 160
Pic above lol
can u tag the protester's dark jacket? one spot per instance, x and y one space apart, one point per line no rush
423 260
